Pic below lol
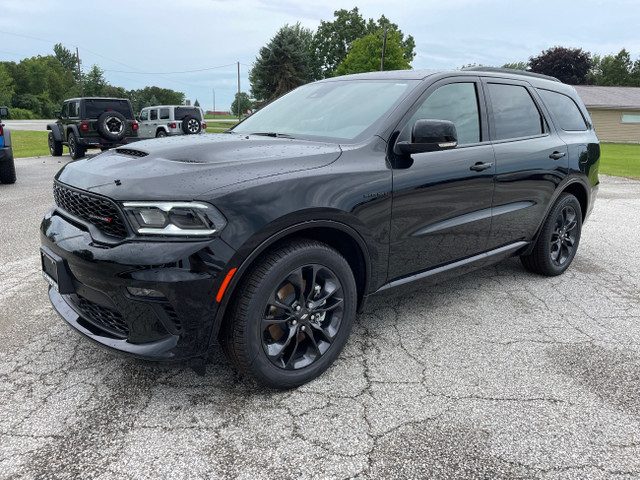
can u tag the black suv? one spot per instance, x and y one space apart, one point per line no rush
270 237
92 123
7 165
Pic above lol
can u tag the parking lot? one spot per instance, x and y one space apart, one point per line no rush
497 374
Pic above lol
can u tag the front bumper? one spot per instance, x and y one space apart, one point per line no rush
102 142
93 297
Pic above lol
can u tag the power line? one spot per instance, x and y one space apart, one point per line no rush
172 73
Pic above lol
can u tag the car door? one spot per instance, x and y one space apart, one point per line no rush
144 124
531 160
442 200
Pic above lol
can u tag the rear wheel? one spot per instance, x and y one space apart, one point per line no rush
559 238
55 146
292 316
76 151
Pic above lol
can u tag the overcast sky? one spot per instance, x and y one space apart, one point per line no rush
138 43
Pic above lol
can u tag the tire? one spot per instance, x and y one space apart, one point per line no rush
161 133
559 238
55 146
266 335
76 151
8 171
191 125
112 126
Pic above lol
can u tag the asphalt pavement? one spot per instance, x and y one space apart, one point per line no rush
497 374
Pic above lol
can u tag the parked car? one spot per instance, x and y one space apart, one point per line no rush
166 120
269 238
7 165
92 122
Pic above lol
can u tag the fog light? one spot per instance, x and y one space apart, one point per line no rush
144 292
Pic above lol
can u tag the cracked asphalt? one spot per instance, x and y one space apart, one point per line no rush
496 374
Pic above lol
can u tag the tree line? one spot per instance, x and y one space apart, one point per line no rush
35 87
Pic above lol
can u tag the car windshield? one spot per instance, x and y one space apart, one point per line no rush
340 110
94 108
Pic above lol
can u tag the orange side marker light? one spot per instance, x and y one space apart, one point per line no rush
225 284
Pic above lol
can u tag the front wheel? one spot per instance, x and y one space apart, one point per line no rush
559 238
292 316
55 146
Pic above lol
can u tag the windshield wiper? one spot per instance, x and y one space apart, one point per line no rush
272 134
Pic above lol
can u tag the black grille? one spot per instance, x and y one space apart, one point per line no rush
96 210
173 316
103 317
131 152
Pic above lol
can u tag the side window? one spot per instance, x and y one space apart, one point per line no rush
515 113
65 111
144 115
164 114
74 109
564 110
458 103
153 114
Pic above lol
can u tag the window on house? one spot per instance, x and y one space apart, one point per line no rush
631 118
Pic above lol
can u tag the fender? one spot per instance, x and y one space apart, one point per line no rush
74 129
7 138
56 132
559 191
248 261
162 127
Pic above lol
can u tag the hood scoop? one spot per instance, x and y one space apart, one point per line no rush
131 152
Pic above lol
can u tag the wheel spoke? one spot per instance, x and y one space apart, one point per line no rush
326 335
295 349
336 302
277 321
276 350
310 335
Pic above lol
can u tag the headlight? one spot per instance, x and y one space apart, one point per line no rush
174 218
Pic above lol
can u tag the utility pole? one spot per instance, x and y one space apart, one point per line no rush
214 102
79 73
384 47
238 102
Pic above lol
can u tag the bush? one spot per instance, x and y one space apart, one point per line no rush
21 114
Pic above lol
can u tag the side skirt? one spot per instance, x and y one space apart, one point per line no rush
459 267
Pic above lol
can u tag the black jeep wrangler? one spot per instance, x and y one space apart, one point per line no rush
7 165
92 123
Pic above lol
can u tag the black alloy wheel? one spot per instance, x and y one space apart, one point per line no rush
293 315
55 147
112 125
559 238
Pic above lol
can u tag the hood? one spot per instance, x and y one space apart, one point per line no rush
181 168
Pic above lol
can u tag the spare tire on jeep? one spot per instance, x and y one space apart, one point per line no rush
191 125
112 125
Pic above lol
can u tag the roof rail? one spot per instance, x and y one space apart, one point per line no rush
511 71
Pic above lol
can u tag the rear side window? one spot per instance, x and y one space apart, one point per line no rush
515 113
564 110
153 114
164 114
458 103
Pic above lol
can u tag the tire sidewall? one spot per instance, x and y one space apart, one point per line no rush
262 367
185 125
50 140
565 200
105 132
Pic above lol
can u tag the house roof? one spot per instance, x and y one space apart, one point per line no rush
609 97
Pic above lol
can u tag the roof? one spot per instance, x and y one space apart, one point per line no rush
609 97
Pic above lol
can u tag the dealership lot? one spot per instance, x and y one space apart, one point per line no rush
497 374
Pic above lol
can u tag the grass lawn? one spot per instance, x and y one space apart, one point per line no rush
620 159
227 117
29 144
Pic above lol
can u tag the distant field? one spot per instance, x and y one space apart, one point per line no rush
618 159
221 117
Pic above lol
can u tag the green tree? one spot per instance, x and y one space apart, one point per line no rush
147 96
516 66
94 82
569 65
6 86
333 40
366 53
616 70
283 64
245 103
68 60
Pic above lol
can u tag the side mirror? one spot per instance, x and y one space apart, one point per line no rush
4 112
430 136
57 114
138 118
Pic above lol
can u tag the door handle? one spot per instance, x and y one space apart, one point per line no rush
557 155
478 167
